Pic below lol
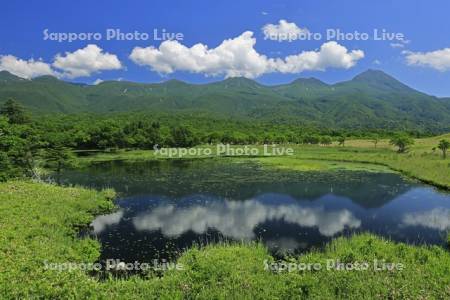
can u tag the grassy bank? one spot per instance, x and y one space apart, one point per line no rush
38 223
421 162
424 166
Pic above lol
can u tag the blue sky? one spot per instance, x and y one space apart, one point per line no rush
421 60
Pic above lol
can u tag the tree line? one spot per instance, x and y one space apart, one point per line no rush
26 140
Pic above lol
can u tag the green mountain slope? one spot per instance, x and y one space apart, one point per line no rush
372 99
43 94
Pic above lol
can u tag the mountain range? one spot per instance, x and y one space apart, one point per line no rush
372 99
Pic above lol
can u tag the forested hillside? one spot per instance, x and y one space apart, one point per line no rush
371 100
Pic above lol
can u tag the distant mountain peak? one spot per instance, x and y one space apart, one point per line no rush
381 81
240 81
373 74
7 76
174 82
46 78
309 81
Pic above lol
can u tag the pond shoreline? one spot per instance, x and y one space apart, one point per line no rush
157 196
211 272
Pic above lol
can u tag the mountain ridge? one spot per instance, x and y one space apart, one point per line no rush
361 77
371 99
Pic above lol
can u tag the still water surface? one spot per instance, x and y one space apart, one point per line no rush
167 206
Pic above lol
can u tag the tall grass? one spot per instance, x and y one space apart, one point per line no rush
38 223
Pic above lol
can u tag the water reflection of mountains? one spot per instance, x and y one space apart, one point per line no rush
237 181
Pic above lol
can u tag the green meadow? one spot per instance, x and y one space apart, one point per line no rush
39 225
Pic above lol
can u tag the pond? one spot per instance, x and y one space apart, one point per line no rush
165 207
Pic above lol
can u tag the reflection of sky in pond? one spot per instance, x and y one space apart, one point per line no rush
234 219
437 218
102 222
238 219
209 201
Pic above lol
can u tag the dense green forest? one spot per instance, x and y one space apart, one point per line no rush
26 139
371 100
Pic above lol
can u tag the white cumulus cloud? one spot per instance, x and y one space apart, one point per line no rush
82 62
439 59
238 57
86 61
283 31
233 57
25 68
330 55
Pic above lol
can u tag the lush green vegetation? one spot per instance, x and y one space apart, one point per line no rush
28 146
39 224
443 146
402 142
421 162
371 100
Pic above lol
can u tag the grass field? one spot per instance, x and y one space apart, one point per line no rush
39 222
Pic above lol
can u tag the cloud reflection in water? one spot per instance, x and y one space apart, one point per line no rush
101 222
437 218
238 219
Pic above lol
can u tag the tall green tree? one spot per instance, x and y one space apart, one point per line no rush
402 142
19 146
182 136
443 146
326 140
341 140
58 157
15 112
